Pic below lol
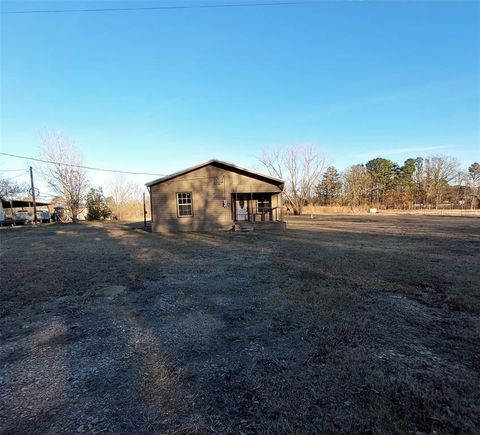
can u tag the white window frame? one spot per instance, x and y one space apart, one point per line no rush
181 201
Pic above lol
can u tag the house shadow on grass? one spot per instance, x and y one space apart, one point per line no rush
228 332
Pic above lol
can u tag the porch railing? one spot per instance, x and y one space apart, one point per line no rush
270 214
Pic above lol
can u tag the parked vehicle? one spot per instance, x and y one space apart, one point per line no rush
43 216
20 217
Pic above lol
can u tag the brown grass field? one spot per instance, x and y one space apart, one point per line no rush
352 324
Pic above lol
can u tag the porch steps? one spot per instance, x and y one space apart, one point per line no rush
259 226
244 226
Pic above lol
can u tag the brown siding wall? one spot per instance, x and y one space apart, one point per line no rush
209 185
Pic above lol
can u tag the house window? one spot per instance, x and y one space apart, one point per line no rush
184 204
263 206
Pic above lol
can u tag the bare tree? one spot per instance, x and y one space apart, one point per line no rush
439 172
126 197
301 167
10 188
474 182
356 181
63 174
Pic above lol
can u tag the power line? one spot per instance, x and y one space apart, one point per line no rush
19 175
156 8
12 170
78 166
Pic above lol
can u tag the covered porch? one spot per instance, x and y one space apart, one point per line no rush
256 207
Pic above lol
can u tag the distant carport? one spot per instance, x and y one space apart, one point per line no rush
16 206
18 203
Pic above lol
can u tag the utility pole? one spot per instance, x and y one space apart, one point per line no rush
33 197
144 212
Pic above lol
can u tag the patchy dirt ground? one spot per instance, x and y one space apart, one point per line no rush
341 324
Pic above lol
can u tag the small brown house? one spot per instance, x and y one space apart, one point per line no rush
214 195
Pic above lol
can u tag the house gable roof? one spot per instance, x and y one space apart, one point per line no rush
219 163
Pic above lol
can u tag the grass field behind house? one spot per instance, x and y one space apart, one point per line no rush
339 324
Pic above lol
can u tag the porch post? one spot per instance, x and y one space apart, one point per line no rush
280 206
235 208
251 218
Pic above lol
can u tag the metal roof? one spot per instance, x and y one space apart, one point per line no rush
17 203
273 180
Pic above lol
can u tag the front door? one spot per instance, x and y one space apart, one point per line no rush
241 208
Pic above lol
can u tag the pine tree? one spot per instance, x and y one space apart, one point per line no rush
97 205
329 189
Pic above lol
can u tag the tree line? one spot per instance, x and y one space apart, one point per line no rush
431 182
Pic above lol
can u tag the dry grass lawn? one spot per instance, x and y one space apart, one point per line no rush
340 324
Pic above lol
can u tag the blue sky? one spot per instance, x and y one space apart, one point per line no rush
156 91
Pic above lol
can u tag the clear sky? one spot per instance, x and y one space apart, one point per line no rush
156 91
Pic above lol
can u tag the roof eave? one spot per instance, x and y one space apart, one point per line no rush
277 181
